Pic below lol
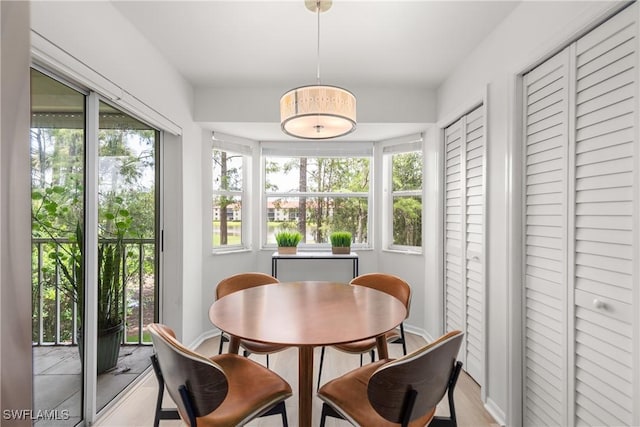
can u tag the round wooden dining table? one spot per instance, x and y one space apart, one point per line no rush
305 315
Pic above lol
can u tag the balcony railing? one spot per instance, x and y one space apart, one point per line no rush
55 311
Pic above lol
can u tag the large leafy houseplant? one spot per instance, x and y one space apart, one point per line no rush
111 268
52 208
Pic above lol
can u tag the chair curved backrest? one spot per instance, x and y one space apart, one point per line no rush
204 380
241 281
425 373
388 283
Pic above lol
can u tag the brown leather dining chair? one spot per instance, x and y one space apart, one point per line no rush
392 285
398 392
224 390
236 283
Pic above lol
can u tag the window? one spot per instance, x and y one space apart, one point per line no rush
404 166
317 193
228 196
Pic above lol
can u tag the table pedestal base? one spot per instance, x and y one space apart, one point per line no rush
305 392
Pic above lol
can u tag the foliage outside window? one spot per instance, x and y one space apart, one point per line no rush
406 199
228 197
317 195
126 224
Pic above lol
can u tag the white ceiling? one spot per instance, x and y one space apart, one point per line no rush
399 43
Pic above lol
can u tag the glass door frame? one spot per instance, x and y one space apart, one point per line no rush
89 407
91 240
90 338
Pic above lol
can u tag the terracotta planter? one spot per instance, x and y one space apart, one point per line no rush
287 250
341 250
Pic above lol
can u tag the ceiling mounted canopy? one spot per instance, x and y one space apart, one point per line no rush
318 111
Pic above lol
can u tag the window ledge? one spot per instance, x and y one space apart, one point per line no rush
318 249
403 251
230 251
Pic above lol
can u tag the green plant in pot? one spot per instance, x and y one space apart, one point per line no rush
115 221
111 281
288 241
340 242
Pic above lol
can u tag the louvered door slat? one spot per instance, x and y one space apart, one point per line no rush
606 86
614 292
617 66
622 49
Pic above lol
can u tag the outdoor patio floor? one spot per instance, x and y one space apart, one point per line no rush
58 379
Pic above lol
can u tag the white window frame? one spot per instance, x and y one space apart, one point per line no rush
326 150
401 145
221 143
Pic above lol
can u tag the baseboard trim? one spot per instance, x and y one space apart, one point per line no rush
418 331
496 412
214 332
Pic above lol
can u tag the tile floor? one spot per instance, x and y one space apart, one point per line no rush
58 379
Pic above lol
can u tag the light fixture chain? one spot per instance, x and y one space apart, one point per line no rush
318 50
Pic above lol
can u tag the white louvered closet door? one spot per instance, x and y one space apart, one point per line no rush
604 224
464 236
581 305
545 282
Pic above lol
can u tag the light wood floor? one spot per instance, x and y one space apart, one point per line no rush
137 408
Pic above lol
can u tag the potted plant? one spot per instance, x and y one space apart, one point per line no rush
115 221
288 241
340 242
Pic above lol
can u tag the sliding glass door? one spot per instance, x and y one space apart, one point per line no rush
127 258
90 160
57 188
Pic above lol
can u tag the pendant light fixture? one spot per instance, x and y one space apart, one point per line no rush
318 111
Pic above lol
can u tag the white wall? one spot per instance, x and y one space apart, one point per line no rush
15 201
532 32
115 50
260 105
